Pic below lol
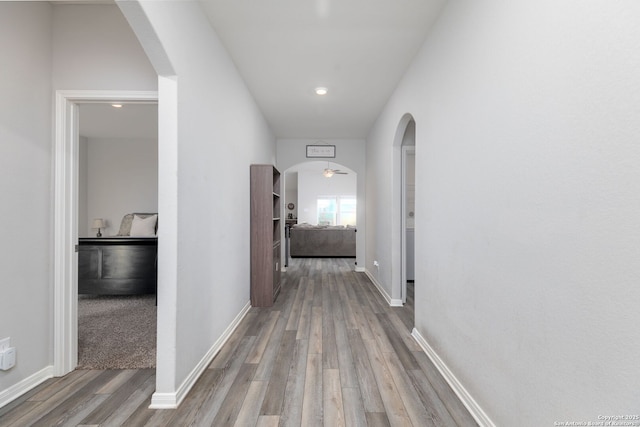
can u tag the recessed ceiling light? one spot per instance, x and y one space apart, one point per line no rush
116 105
321 91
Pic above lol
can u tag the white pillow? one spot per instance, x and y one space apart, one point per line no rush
143 227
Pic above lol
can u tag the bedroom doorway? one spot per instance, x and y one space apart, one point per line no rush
66 214
117 176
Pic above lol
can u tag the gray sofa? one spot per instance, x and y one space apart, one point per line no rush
322 241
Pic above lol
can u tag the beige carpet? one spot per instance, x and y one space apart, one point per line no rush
116 332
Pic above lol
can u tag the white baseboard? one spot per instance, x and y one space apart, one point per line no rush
396 303
392 302
360 270
468 401
173 400
12 393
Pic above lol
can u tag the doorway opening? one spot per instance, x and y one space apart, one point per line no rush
404 217
66 215
117 176
320 204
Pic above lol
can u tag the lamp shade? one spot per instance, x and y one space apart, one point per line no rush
98 223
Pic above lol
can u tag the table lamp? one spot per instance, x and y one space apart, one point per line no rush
98 223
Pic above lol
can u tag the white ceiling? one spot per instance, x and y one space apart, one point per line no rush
99 120
358 49
284 49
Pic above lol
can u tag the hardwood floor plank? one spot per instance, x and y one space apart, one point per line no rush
305 312
250 410
261 342
292 409
141 416
294 316
394 407
20 412
317 293
378 305
377 419
285 301
118 398
348 374
430 399
9 407
329 349
401 330
258 322
371 398
212 405
67 398
448 397
336 305
397 343
333 409
414 406
312 400
234 399
160 418
129 406
354 415
315 330
118 381
265 367
76 414
273 402
67 382
379 334
349 318
201 392
222 358
268 421
359 307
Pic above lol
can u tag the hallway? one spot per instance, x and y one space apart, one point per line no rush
329 352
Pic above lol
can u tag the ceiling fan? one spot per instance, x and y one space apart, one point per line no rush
328 172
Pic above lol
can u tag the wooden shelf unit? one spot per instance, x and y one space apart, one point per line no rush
266 235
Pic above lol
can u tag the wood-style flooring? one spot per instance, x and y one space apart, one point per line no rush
329 352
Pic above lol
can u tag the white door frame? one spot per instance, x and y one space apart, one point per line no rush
65 218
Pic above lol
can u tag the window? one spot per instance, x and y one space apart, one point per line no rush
347 211
337 210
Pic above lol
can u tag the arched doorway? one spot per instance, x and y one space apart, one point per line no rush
319 193
404 211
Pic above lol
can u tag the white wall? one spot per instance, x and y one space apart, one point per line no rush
94 48
312 184
527 238
25 187
122 178
45 48
219 132
350 153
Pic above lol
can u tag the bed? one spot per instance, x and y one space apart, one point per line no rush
125 264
